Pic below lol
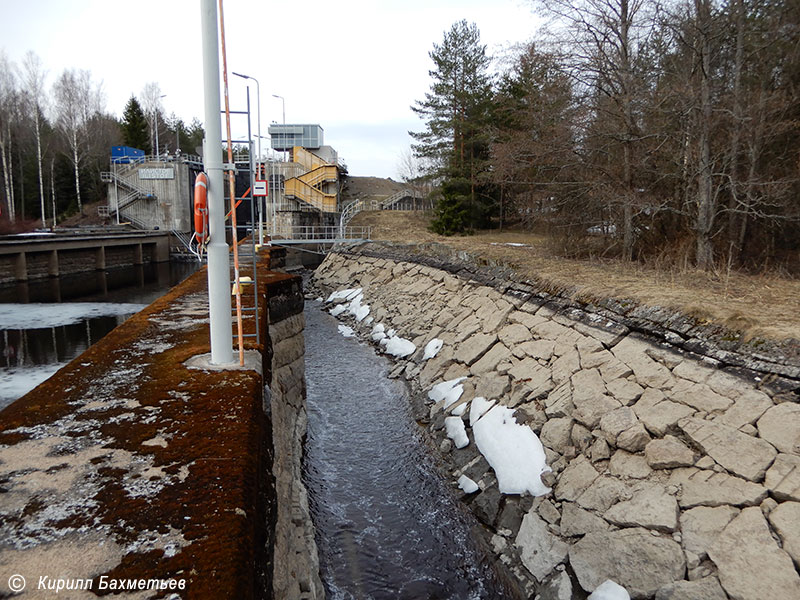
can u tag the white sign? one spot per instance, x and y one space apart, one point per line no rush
153 173
260 188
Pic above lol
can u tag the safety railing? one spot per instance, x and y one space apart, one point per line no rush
321 234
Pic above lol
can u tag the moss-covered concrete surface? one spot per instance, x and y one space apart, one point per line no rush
127 465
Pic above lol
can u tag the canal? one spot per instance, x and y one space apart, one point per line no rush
46 323
388 526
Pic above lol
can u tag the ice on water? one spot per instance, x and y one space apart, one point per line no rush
43 315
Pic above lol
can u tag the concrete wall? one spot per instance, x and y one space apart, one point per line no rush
675 473
296 564
133 463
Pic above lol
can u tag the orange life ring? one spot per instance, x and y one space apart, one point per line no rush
201 207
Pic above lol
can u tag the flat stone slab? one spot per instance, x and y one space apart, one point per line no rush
575 479
658 414
785 518
739 453
751 565
474 347
540 550
702 589
650 507
668 453
783 477
577 521
634 558
780 426
701 487
701 526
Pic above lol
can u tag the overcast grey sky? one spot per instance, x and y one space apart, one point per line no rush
353 66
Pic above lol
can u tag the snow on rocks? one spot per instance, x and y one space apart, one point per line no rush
432 348
467 485
629 459
346 331
456 431
399 347
609 590
513 451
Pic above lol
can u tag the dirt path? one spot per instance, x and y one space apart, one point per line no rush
759 306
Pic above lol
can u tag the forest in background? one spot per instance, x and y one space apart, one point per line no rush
55 140
661 131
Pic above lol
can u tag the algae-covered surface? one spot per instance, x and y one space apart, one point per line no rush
129 465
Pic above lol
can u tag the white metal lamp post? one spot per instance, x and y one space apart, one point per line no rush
283 105
258 126
155 124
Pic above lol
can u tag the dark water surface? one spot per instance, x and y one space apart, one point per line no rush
46 323
387 525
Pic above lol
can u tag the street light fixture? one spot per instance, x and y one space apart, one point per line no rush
258 112
283 104
155 123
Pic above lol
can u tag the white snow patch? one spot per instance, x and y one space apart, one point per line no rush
432 348
378 332
514 244
513 451
609 590
456 431
479 407
399 347
347 294
449 391
319 299
338 309
390 333
358 310
347 331
42 315
466 484
368 320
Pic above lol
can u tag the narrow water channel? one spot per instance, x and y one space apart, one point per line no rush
387 525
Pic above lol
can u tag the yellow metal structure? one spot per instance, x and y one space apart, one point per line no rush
307 187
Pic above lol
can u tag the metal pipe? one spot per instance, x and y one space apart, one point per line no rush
219 300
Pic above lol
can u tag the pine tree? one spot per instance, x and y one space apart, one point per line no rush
135 130
456 114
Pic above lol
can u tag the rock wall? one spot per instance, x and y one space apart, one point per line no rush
675 456
296 564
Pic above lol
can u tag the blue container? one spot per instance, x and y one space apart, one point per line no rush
126 154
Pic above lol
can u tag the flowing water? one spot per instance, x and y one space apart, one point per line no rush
387 524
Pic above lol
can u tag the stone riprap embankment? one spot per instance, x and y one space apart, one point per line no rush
674 474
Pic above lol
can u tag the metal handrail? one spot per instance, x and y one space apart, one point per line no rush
321 232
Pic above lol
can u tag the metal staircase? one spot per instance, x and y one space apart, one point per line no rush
390 203
307 186
133 191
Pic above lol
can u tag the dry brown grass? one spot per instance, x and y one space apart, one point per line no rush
758 305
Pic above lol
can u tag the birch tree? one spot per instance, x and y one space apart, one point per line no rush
150 100
33 81
8 93
77 100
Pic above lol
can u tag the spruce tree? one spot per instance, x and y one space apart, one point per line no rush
135 130
456 114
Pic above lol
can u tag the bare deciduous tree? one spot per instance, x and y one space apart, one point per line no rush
33 81
8 98
77 101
